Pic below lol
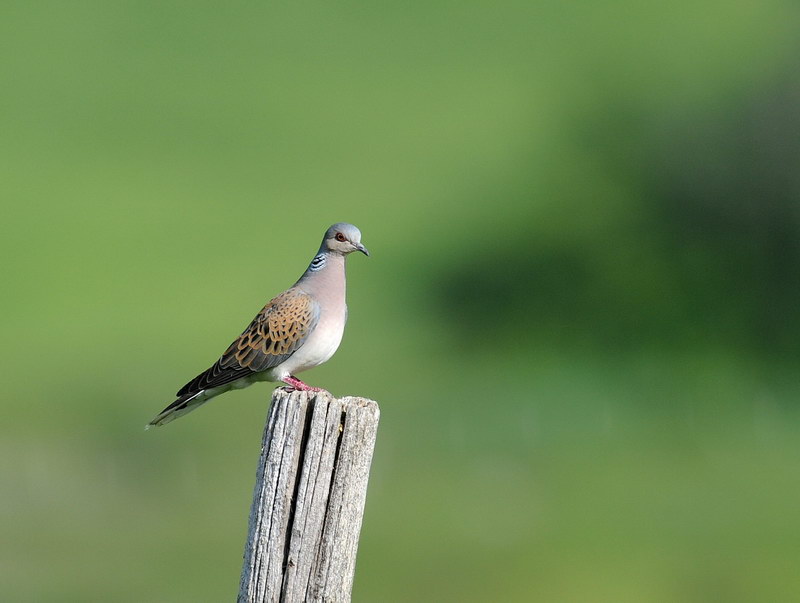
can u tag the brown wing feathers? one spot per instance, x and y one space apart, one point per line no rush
273 335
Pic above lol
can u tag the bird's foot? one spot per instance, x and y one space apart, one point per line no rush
295 384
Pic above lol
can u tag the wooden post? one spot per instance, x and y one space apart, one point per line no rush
308 502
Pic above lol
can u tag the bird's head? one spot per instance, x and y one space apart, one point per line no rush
343 238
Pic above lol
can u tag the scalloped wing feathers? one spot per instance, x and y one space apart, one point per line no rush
273 336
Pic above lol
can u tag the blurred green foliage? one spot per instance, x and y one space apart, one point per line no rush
579 316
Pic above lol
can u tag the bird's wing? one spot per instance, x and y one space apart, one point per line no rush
275 334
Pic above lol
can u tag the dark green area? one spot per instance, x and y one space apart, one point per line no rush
579 317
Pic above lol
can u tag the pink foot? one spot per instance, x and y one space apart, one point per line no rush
295 383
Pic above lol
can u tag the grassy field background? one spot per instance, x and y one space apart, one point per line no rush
579 317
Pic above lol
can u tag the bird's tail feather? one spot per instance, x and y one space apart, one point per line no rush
181 406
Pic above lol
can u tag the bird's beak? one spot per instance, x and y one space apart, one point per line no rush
363 249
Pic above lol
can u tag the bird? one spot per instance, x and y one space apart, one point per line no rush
297 330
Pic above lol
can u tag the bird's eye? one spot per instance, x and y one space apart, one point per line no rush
340 237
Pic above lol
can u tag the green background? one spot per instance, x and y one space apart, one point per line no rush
579 317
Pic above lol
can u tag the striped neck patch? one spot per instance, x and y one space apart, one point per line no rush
318 263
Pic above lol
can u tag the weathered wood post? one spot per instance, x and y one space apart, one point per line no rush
308 502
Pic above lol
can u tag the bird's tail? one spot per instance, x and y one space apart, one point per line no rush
180 407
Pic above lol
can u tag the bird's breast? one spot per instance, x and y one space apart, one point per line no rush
321 343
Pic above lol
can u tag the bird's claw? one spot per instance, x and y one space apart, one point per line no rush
294 384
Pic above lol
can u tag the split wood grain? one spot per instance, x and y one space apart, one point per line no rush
308 502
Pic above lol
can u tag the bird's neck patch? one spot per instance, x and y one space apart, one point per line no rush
318 263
